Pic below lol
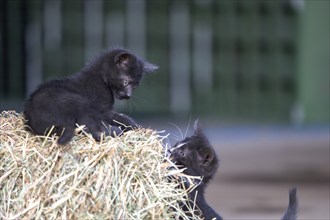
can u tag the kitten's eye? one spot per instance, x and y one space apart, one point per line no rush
182 153
125 83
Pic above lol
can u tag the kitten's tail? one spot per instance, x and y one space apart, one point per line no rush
291 212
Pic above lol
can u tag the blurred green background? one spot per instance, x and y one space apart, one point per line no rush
232 60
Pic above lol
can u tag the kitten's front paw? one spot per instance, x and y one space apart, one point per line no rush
96 136
114 131
124 122
129 127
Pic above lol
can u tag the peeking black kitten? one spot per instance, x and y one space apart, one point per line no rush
87 97
197 155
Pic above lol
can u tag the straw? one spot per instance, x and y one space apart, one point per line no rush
126 177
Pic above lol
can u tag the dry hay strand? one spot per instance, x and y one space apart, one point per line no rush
127 177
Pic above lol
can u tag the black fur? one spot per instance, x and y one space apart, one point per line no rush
87 97
198 157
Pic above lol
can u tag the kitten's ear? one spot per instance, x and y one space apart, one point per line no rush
123 59
207 156
197 127
149 67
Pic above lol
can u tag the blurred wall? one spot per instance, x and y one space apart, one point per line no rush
231 60
314 61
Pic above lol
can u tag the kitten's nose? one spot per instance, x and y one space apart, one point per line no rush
128 95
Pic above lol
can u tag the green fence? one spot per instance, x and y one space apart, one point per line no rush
314 60
224 58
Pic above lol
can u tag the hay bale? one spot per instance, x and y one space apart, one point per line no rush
127 177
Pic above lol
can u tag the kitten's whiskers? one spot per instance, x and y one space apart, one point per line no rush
176 137
178 129
139 98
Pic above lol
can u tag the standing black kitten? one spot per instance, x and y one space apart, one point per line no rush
87 97
197 155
